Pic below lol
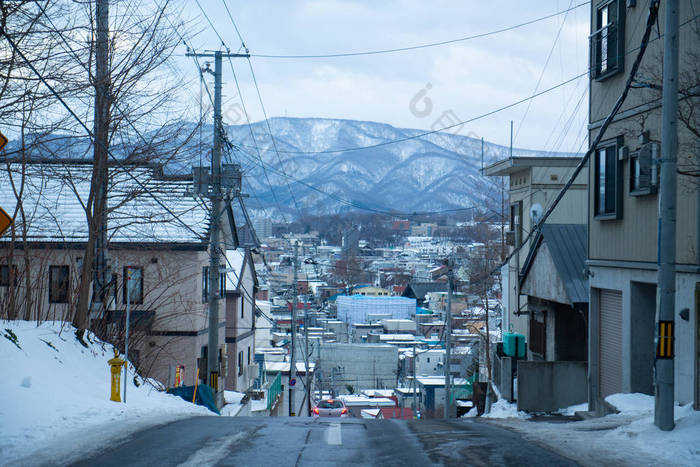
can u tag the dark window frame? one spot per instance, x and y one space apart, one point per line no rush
60 295
516 211
610 37
5 275
139 298
612 182
240 363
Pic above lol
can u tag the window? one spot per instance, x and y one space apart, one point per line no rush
516 225
5 275
135 284
643 171
248 355
607 202
58 284
607 43
205 283
240 363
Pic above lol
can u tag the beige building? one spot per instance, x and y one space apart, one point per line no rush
241 285
533 183
623 212
165 248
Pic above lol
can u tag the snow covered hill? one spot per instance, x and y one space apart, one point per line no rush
436 172
319 161
54 397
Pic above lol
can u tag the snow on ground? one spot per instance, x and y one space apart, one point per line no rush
504 409
627 438
54 397
233 403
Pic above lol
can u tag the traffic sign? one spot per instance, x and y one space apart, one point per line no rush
3 140
5 221
292 382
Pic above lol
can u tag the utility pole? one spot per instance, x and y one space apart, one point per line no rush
663 407
306 359
128 320
99 176
487 402
216 195
292 361
415 386
448 335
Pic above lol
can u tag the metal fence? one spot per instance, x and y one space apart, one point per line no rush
274 391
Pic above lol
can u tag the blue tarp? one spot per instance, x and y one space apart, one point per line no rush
205 396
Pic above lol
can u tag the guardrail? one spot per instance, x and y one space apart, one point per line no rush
274 391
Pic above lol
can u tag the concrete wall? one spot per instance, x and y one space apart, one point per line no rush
364 366
549 386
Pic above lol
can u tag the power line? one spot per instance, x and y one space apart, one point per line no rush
448 127
420 46
544 68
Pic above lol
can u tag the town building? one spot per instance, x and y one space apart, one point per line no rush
623 208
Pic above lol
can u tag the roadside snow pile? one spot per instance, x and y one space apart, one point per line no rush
626 438
233 403
680 446
54 396
504 409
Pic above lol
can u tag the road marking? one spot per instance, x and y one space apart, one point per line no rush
212 452
333 434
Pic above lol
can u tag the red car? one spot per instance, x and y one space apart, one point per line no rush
330 408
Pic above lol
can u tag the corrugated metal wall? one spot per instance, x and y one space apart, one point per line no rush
610 342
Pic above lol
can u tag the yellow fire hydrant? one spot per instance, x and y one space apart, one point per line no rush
116 364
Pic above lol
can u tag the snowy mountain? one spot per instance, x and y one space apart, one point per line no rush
318 167
440 171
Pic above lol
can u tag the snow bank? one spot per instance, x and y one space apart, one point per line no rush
681 446
626 438
233 403
54 397
504 409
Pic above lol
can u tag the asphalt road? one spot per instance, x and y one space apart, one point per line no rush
283 441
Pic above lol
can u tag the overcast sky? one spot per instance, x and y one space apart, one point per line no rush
411 89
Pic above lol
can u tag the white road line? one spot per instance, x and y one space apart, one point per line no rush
333 434
212 452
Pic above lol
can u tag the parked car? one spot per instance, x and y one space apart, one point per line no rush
330 408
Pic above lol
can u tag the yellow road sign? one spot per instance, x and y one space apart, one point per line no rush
5 221
3 140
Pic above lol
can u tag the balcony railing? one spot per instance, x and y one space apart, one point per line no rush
607 53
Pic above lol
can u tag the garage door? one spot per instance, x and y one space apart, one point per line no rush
610 342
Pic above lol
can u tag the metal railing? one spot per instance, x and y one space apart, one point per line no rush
606 51
274 391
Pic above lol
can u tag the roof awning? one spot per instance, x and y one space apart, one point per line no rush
554 267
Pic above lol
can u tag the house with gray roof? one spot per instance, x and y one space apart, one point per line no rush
155 228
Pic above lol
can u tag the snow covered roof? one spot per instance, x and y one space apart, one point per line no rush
54 196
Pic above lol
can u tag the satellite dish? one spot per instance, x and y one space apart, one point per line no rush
536 212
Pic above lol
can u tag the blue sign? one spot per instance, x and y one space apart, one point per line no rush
292 381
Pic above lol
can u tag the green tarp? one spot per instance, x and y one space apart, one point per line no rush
205 395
